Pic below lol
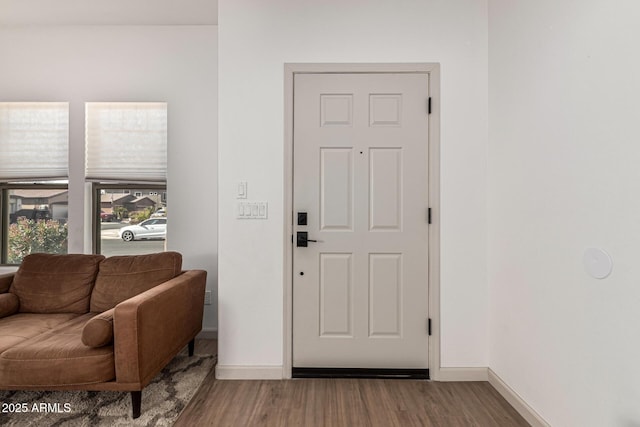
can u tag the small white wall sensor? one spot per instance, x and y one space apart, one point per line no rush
597 263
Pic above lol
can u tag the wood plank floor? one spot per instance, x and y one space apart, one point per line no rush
345 402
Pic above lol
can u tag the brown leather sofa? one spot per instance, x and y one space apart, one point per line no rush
86 322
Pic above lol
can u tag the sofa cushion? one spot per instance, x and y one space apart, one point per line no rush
22 326
5 281
57 357
47 283
9 304
98 331
122 277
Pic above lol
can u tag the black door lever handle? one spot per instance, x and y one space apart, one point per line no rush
302 238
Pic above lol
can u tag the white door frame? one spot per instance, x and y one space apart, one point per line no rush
433 69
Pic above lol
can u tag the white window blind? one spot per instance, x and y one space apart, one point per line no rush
34 140
126 141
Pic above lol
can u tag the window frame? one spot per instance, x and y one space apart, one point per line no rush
5 202
97 187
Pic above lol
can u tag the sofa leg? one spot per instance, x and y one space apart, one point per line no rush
192 346
136 402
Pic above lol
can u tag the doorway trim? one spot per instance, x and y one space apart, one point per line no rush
433 69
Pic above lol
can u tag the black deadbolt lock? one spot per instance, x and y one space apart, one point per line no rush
302 218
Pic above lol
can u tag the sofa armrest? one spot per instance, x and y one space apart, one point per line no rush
5 282
152 327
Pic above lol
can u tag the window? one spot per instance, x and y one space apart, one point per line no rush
34 139
126 159
35 220
126 224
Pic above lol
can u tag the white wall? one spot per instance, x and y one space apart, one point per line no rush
564 175
111 12
256 39
176 64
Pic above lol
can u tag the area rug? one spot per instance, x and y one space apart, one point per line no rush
162 401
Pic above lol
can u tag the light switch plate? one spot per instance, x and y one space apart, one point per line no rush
252 210
242 190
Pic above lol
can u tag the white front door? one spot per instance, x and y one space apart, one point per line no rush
360 292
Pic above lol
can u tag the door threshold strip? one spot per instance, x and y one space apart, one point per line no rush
364 373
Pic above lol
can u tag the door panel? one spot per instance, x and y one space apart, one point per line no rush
336 189
385 188
336 300
360 293
385 295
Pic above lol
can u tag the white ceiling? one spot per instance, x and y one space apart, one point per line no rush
108 12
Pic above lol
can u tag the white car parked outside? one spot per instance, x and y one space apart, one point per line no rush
152 228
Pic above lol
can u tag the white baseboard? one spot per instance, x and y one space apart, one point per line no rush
527 412
208 334
235 372
460 374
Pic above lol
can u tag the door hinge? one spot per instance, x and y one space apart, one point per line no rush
429 105
429 326
429 216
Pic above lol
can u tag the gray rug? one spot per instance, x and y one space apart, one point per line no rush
162 400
